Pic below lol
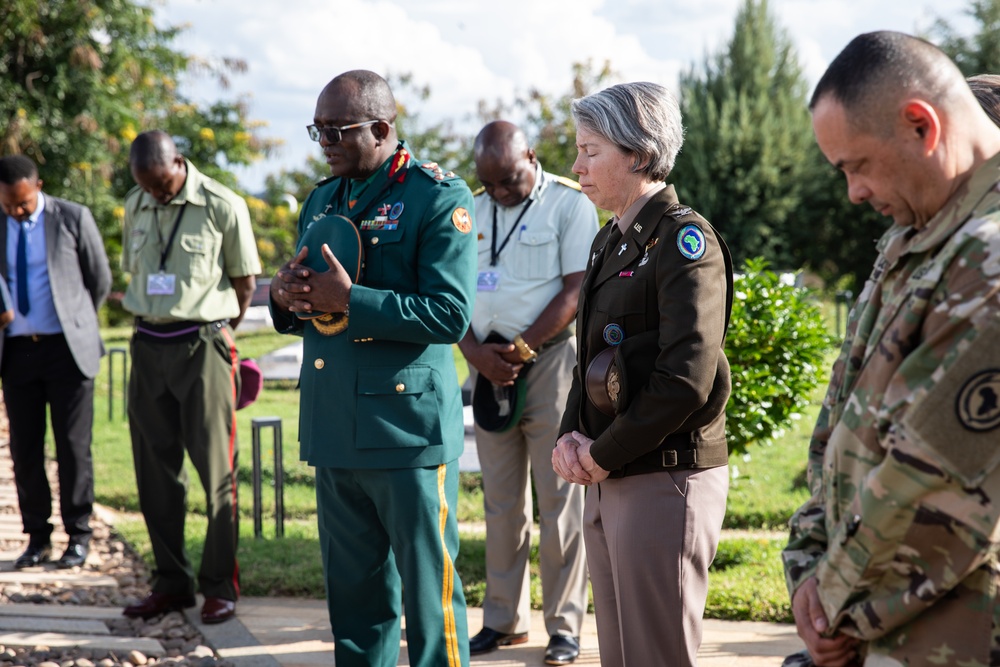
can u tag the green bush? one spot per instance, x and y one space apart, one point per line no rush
776 346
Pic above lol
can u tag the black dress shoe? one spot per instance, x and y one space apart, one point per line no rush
74 556
562 650
158 603
217 610
33 555
490 640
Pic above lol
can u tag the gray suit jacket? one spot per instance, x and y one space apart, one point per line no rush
79 274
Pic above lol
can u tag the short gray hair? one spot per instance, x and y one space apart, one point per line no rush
641 118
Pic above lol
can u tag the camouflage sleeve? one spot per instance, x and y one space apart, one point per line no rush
807 527
922 519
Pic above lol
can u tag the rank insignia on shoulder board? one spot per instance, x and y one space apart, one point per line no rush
681 212
691 242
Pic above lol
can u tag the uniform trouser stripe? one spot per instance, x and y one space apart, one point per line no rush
234 370
448 580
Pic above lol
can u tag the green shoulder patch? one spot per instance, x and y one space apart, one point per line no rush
568 182
959 418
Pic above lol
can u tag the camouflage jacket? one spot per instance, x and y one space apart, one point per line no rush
902 529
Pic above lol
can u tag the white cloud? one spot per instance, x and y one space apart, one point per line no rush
470 51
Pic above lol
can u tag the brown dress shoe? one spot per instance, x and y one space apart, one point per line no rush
158 603
217 610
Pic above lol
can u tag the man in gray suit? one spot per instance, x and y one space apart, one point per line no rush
58 275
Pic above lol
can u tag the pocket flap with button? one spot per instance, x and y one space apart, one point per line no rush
536 238
412 380
192 243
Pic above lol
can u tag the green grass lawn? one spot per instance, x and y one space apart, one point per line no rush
746 581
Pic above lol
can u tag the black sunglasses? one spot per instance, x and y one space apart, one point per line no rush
334 134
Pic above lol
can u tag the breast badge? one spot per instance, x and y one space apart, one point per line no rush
613 334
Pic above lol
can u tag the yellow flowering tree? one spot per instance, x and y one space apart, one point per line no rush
81 79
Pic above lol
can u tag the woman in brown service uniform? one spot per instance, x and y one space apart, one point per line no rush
651 439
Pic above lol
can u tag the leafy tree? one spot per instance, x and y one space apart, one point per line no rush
82 79
750 163
978 53
748 130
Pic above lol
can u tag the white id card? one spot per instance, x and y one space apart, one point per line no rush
488 281
160 283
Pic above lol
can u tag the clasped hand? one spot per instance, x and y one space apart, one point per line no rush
497 362
572 461
299 289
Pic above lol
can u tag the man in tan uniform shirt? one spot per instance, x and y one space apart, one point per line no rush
188 244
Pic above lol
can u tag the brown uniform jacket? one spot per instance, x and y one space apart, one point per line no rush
645 283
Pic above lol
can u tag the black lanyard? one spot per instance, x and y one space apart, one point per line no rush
494 251
173 233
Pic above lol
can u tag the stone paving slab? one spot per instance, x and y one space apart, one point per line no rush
296 633
234 641
61 611
55 640
34 576
42 624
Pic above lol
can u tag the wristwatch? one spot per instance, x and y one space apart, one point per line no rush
527 354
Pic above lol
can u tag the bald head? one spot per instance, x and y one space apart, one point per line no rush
156 165
151 149
877 70
505 164
500 139
369 94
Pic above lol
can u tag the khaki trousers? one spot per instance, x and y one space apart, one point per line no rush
650 540
505 459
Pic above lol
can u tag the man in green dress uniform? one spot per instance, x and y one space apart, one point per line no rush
381 411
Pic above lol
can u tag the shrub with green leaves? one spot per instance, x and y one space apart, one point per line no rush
776 344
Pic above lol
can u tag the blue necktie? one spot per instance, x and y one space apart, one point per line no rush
22 270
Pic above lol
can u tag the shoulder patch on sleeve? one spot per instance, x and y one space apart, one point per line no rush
568 182
959 418
691 242
462 220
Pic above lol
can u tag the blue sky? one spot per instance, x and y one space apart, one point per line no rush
468 50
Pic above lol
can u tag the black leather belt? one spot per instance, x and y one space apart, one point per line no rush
33 338
677 452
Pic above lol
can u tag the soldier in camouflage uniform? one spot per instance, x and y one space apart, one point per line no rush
893 560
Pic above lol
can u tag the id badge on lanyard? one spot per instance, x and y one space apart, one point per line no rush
162 283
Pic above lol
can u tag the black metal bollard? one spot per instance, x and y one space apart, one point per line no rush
111 381
257 424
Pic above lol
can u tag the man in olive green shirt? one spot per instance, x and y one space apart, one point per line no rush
188 243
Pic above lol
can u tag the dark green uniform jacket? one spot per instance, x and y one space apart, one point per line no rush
384 393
